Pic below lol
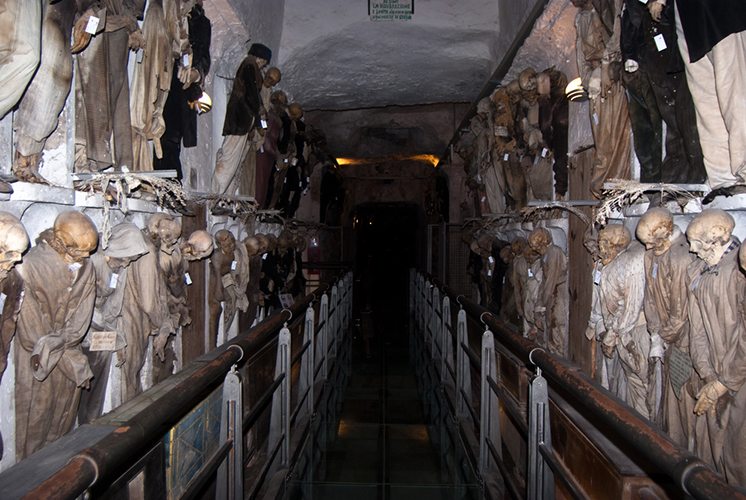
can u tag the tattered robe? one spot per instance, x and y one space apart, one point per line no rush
666 312
553 299
54 318
622 293
718 350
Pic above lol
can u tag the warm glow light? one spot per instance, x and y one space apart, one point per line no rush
427 158
575 91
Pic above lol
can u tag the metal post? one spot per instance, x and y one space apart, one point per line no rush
332 331
230 473
323 341
446 342
284 346
489 420
308 361
540 477
463 368
435 323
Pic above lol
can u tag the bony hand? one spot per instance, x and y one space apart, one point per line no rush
136 40
708 396
630 66
191 76
159 345
80 37
656 9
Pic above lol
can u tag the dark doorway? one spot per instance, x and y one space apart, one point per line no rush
386 242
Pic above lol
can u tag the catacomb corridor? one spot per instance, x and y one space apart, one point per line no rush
372 249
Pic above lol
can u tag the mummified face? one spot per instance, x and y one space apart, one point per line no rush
655 229
611 241
226 241
13 242
709 235
539 240
77 234
198 246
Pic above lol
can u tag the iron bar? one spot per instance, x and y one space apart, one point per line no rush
262 404
199 481
507 476
511 408
561 471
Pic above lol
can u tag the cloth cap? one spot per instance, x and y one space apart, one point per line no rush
126 240
259 50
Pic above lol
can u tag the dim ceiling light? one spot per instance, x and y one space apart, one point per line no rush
427 158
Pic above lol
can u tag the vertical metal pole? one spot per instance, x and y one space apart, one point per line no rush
540 477
323 340
284 346
435 323
445 340
230 473
463 368
308 361
489 421
332 332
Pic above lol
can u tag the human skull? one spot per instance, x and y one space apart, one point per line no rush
709 234
285 240
485 242
655 229
543 83
13 242
253 245
271 242
226 241
483 106
198 246
272 77
299 242
279 97
527 80
518 246
295 111
506 253
539 240
611 241
76 234
164 230
263 243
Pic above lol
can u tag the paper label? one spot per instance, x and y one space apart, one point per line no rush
506 156
263 123
544 152
234 265
654 271
660 42
530 273
2 301
103 341
596 277
114 280
185 60
264 257
489 273
139 55
187 279
491 259
595 118
92 25
644 2
294 162
261 148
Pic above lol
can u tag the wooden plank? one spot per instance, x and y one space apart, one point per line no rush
580 279
193 335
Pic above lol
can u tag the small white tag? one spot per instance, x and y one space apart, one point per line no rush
187 279
484 198
185 60
506 156
491 259
92 25
103 341
2 301
263 123
285 160
139 55
530 273
234 265
74 267
294 162
114 280
544 152
644 2
479 178
660 42
261 148
595 118
597 277
489 273
264 257
654 271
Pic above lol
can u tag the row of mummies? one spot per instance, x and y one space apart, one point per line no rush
644 65
71 292
669 319
142 124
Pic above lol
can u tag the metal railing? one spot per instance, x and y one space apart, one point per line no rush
135 447
531 405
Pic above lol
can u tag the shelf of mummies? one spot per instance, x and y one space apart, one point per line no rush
667 319
86 315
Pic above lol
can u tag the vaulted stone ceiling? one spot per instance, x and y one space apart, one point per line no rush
379 88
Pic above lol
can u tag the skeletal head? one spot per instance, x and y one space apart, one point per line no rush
299 242
543 83
271 242
483 106
527 80
252 245
518 246
263 243
226 242
75 236
484 241
164 231
126 244
611 241
514 90
198 246
539 240
285 240
506 253
278 97
272 77
295 111
709 234
655 229
13 242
